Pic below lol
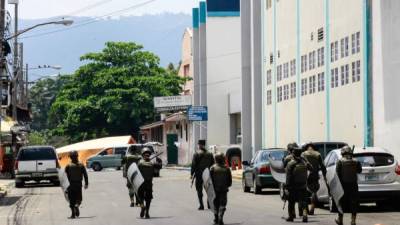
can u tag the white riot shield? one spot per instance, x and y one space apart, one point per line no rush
278 172
64 182
135 177
336 189
209 187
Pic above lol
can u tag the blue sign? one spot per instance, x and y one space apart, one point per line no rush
197 113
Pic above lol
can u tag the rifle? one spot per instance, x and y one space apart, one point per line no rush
155 156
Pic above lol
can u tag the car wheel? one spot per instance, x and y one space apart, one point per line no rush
244 186
19 184
97 167
332 205
257 189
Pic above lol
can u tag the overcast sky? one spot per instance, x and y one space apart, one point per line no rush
34 9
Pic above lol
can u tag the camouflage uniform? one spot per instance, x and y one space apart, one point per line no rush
76 172
128 160
145 192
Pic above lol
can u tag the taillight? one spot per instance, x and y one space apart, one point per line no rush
16 165
398 169
264 170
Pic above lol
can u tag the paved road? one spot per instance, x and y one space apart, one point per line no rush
106 203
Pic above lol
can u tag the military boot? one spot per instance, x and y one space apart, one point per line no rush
221 216
77 213
216 218
148 209
72 213
353 219
339 220
305 216
201 207
142 210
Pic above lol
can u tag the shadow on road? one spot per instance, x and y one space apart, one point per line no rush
8 201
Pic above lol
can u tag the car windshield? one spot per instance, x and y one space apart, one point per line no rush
264 157
37 154
374 159
277 155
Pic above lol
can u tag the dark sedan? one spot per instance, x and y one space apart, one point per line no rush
257 173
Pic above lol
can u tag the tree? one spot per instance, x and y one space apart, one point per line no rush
112 94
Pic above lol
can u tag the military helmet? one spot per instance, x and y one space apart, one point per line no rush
346 150
73 154
146 150
309 145
219 158
297 152
291 146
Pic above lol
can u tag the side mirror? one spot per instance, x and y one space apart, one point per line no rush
246 163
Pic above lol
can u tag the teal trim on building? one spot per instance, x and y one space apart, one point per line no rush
203 12
298 78
195 17
263 63
367 76
275 58
327 72
223 14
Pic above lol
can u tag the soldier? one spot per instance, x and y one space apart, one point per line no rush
75 172
315 159
296 184
286 160
133 156
347 169
222 180
146 168
202 159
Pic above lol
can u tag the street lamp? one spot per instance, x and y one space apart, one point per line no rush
61 22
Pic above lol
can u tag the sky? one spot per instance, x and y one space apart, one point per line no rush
36 9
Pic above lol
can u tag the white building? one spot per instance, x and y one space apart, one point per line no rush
330 72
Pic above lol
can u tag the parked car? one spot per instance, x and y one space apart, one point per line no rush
257 173
138 148
379 181
107 158
36 163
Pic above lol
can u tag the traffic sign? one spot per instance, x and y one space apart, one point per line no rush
197 113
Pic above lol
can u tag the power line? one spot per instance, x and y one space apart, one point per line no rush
92 20
86 8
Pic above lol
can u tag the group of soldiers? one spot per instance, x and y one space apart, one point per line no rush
302 180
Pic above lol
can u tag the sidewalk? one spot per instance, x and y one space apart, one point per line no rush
5 185
236 174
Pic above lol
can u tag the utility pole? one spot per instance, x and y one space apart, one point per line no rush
2 58
15 79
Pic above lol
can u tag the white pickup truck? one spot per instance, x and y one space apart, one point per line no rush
36 163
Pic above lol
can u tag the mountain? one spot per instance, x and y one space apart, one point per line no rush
161 34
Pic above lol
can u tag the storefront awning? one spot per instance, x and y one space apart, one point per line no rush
176 117
152 125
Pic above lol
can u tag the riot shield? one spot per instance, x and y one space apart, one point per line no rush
64 182
135 177
209 187
278 172
336 189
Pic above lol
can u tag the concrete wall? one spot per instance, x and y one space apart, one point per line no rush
386 79
223 75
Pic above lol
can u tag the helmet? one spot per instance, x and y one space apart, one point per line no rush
146 150
73 154
219 158
297 152
309 145
291 146
346 150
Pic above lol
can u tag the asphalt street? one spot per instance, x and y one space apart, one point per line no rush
106 202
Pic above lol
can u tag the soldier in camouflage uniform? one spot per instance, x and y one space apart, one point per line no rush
315 159
347 169
76 172
286 160
146 168
202 159
133 156
296 184
222 179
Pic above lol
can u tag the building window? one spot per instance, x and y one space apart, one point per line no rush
293 67
311 58
269 77
312 84
334 77
303 63
344 47
269 97
334 51
321 57
286 92
358 42
269 4
279 94
286 70
303 86
279 73
356 71
321 81
320 34
293 90
344 72
271 58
